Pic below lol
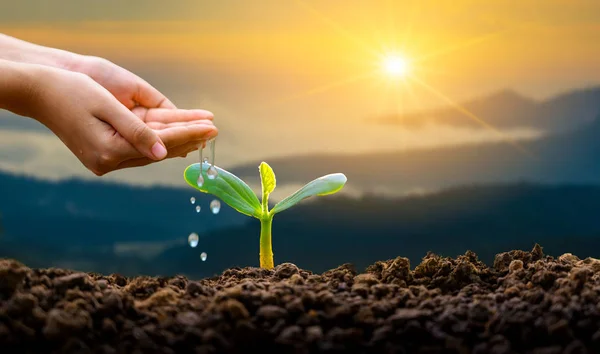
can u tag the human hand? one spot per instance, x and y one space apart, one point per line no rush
102 132
128 88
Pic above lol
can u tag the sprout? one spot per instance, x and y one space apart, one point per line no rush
238 195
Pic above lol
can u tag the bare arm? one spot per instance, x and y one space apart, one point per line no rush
101 132
17 50
15 87
128 88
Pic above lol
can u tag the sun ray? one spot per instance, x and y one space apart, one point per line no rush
461 45
471 115
326 87
410 92
391 19
409 24
339 29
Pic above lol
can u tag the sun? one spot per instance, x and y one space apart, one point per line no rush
396 66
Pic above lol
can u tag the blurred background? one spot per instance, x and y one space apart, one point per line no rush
460 125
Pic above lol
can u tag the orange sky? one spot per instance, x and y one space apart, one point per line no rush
275 72
536 47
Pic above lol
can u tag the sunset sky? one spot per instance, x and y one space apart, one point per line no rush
278 73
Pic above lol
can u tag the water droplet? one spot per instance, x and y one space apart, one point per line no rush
193 200
200 153
193 239
212 172
215 206
200 180
205 160
198 208
212 143
203 256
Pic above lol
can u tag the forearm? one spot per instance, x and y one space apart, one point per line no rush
16 86
17 50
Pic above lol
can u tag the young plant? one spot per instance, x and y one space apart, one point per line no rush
238 195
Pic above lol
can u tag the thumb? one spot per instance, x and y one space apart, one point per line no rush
136 132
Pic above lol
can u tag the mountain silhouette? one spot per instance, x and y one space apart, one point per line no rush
82 213
317 234
503 109
476 198
509 109
567 157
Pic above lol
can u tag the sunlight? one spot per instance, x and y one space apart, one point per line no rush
396 66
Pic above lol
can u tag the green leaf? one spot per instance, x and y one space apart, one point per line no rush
267 178
227 187
325 185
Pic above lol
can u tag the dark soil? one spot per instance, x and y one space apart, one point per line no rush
525 303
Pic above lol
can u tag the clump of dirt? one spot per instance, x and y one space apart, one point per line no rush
525 303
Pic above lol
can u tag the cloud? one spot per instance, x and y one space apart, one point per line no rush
240 141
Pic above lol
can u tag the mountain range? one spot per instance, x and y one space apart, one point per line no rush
509 109
488 198
317 235
566 157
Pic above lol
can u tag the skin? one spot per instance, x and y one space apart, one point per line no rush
107 116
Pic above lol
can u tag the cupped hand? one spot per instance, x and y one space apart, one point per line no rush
105 134
130 89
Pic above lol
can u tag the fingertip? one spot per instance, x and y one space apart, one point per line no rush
167 104
159 151
213 133
199 114
208 114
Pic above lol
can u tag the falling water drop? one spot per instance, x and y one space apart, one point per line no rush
193 239
200 152
212 172
205 160
193 200
198 208
200 180
215 206
212 150
203 256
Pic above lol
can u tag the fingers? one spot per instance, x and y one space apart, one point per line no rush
179 135
147 96
179 151
163 115
161 126
134 130
194 135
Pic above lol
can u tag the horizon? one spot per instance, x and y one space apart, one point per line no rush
10 124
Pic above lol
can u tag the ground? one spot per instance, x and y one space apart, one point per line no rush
525 303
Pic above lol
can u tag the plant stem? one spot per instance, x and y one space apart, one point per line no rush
266 248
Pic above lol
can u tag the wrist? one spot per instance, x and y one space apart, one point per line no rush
14 81
20 87
20 51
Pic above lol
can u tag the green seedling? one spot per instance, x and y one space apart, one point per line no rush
238 195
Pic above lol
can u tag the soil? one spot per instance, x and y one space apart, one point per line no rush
525 303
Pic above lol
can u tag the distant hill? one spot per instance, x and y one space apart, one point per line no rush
76 213
486 219
569 157
508 109
318 234
503 109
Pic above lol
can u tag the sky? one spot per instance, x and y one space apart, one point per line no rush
299 76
